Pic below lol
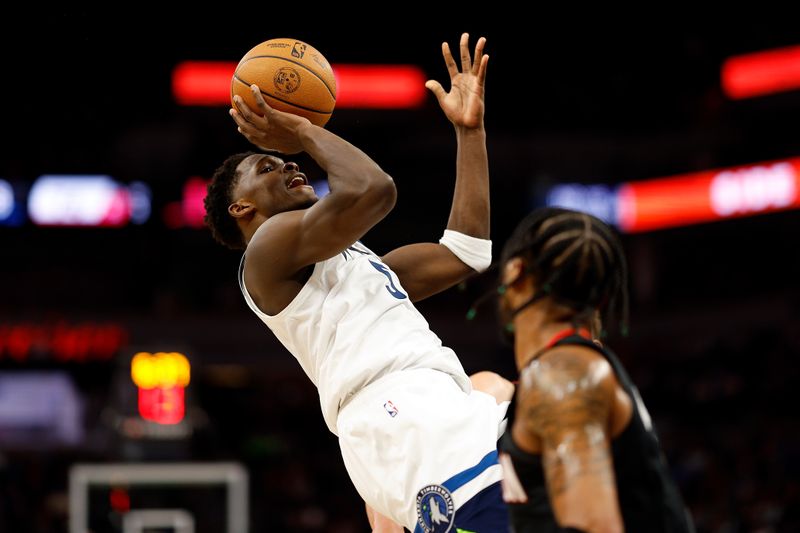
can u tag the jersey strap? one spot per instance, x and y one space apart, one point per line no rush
558 337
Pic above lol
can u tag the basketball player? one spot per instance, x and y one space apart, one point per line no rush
418 440
582 455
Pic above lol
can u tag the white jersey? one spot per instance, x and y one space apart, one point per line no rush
353 323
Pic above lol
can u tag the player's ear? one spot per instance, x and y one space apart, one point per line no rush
513 271
241 208
596 323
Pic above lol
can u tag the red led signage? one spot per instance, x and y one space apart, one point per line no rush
208 83
61 342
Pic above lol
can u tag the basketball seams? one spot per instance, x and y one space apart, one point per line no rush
298 63
287 102
293 91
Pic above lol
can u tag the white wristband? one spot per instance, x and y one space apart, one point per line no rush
474 252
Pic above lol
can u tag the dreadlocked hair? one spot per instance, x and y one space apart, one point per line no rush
576 259
223 226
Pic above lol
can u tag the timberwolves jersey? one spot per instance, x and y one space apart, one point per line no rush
648 499
352 323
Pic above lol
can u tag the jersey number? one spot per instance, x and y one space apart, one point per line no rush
394 291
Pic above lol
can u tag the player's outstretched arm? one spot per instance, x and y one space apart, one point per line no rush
427 268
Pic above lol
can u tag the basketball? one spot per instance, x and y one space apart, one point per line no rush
293 77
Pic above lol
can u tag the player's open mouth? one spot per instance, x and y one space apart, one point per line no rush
296 180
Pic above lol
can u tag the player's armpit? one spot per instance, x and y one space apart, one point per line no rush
426 268
566 402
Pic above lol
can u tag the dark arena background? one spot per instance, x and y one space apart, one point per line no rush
683 133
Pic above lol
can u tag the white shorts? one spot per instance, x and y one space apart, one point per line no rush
415 428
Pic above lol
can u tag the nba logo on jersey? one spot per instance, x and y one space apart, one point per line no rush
390 408
435 511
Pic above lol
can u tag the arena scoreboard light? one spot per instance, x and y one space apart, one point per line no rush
61 342
162 379
87 200
208 83
761 73
10 207
687 199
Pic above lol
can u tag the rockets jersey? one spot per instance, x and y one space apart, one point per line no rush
649 501
351 323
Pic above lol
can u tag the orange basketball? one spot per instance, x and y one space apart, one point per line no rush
293 77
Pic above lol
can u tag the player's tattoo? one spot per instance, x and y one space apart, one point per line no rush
567 408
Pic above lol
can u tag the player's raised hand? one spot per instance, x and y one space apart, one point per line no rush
271 129
463 105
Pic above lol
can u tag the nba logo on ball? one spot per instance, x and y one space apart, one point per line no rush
298 50
435 512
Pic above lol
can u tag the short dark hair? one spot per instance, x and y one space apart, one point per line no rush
576 259
223 226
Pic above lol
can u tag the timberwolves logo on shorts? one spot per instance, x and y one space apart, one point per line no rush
435 511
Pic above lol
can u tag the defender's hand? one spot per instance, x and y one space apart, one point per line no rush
463 105
272 129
